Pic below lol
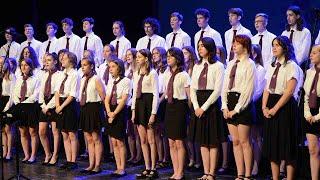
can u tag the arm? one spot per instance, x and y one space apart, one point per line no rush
193 95
100 89
304 47
35 95
98 51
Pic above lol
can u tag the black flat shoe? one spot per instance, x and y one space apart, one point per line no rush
84 171
72 166
95 172
119 175
7 160
153 174
144 174
31 162
64 165
24 161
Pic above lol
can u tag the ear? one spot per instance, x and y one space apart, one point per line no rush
239 18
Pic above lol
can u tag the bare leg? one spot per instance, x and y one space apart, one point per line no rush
313 146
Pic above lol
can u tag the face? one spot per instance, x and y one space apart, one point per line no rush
148 29
203 52
171 60
28 31
26 53
260 23
114 69
25 68
51 31
315 55
156 55
66 28
186 55
277 50
86 67
61 57
50 63
234 19
202 21
86 26
129 57
141 60
8 36
238 48
106 52
292 17
116 30
66 61
174 22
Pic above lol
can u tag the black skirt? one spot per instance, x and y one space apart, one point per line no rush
207 130
161 110
175 121
51 115
26 114
117 129
259 117
91 117
279 132
3 102
68 119
143 109
245 116
313 128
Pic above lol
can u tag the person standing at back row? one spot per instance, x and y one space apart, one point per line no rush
177 38
50 45
121 43
31 41
203 17
151 39
11 48
317 41
235 15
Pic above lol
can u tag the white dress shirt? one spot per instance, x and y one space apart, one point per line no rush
301 42
216 73
7 90
92 92
156 41
267 38
14 51
74 45
35 44
286 72
260 82
180 83
150 84
54 83
32 93
317 41
208 32
182 39
100 72
228 36
124 45
124 87
53 48
71 85
161 80
94 43
307 86
244 83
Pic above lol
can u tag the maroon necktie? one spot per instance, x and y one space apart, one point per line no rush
313 90
23 90
202 81
130 74
117 48
106 75
67 45
84 90
273 82
113 99
170 86
231 55
47 86
139 88
232 75
291 35
173 39
61 90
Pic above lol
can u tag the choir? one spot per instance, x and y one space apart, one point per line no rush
169 99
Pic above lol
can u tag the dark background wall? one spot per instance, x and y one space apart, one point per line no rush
39 12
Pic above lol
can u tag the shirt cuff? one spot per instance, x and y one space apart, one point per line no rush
307 114
237 108
317 117
224 106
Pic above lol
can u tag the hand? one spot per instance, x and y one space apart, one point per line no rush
151 119
111 114
133 115
231 113
199 112
313 119
44 110
225 113
110 120
272 112
266 113
58 110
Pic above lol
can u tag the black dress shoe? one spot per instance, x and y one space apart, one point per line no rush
7 160
153 174
144 174
84 171
64 165
24 161
31 162
95 172
72 166
119 175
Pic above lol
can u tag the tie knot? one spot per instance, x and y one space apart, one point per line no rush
175 34
235 31
292 30
25 78
205 65
68 38
278 64
261 35
118 42
237 61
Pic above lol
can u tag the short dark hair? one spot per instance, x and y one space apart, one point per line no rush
202 11
55 27
154 24
178 15
120 65
12 31
27 25
67 21
89 19
262 15
210 46
236 11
